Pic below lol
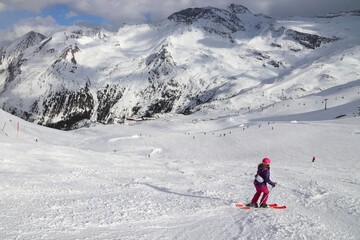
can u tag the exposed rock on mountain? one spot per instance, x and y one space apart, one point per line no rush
309 40
238 9
213 20
66 108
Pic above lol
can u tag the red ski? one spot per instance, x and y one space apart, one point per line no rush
242 206
278 207
271 205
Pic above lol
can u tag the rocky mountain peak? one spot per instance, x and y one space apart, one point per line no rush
28 40
191 15
238 9
213 20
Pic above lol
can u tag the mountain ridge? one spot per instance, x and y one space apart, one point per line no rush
199 59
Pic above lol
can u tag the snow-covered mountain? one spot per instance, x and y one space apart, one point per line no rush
199 59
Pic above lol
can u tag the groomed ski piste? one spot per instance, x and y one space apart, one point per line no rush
179 177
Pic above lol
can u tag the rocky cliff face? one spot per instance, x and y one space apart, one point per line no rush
219 21
199 58
309 40
15 57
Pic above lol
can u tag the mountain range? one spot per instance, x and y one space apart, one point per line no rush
198 59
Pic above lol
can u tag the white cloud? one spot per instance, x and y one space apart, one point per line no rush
71 14
2 7
120 11
33 5
46 26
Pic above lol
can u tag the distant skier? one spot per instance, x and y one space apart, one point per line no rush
262 178
313 160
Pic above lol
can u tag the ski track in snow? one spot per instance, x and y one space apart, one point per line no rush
180 180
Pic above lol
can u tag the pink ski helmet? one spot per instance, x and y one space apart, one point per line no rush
266 161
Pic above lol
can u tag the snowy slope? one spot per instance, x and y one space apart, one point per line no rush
253 93
196 60
178 178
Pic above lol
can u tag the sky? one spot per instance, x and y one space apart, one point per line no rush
18 17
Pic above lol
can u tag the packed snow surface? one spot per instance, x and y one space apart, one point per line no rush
179 177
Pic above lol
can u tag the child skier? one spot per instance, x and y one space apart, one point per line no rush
262 178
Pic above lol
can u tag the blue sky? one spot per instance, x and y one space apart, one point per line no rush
61 13
17 17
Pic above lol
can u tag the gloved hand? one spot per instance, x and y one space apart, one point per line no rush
275 183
